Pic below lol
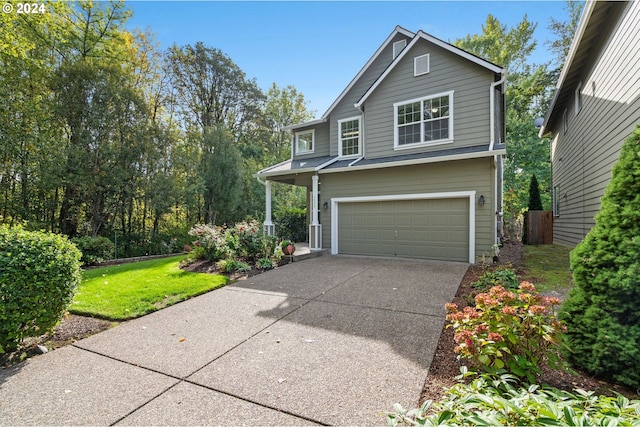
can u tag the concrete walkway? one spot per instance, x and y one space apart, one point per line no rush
330 340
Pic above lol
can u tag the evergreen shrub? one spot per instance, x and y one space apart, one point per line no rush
291 224
94 249
602 312
39 273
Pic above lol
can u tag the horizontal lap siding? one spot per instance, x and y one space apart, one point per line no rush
321 141
448 71
345 108
463 175
583 158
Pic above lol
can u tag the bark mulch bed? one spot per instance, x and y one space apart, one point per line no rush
444 367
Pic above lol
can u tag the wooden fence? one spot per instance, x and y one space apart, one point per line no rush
539 227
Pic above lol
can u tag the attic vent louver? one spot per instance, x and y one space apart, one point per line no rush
421 65
397 47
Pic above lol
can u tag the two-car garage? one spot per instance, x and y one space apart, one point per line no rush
430 226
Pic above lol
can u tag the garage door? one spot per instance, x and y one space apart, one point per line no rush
426 228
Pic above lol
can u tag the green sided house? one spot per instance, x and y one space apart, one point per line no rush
596 106
407 162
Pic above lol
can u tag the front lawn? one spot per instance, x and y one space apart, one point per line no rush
126 291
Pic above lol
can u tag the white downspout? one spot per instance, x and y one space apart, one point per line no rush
492 108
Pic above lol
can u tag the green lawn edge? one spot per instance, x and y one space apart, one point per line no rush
128 291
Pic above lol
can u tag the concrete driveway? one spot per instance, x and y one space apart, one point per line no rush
329 340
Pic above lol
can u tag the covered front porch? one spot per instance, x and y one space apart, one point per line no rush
303 174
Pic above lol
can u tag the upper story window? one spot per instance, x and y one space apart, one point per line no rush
427 120
349 137
305 141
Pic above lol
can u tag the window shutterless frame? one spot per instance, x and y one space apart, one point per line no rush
423 121
305 141
350 137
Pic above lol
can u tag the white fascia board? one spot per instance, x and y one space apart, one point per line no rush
424 36
420 161
471 195
577 38
397 30
306 124
282 173
461 52
262 171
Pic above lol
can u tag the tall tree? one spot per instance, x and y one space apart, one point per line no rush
212 90
221 172
564 32
528 91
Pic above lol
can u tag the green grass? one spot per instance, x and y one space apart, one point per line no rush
126 291
548 267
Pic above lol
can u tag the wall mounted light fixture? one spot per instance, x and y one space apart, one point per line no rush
325 205
481 200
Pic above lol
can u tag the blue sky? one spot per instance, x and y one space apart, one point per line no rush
319 46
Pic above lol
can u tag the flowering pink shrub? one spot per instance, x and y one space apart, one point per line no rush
511 330
209 243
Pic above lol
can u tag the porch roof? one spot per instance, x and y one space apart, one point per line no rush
297 166
328 164
417 158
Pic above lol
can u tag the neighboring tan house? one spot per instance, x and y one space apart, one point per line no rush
407 162
595 108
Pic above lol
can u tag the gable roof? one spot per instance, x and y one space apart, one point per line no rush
447 46
396 31
588 33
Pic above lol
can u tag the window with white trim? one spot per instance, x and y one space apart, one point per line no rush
349 137
427 120
305 141
555 202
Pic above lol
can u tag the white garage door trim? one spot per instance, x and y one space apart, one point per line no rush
471 195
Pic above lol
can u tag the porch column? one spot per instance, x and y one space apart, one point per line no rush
269 228
315 228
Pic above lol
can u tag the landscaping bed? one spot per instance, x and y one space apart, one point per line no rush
445 367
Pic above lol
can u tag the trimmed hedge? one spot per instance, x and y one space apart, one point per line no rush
39 273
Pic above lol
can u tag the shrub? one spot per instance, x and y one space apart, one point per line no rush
602 312
501 276
291 223
210 244
245 241
232 266
508 330
94 249
490 400
39 273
